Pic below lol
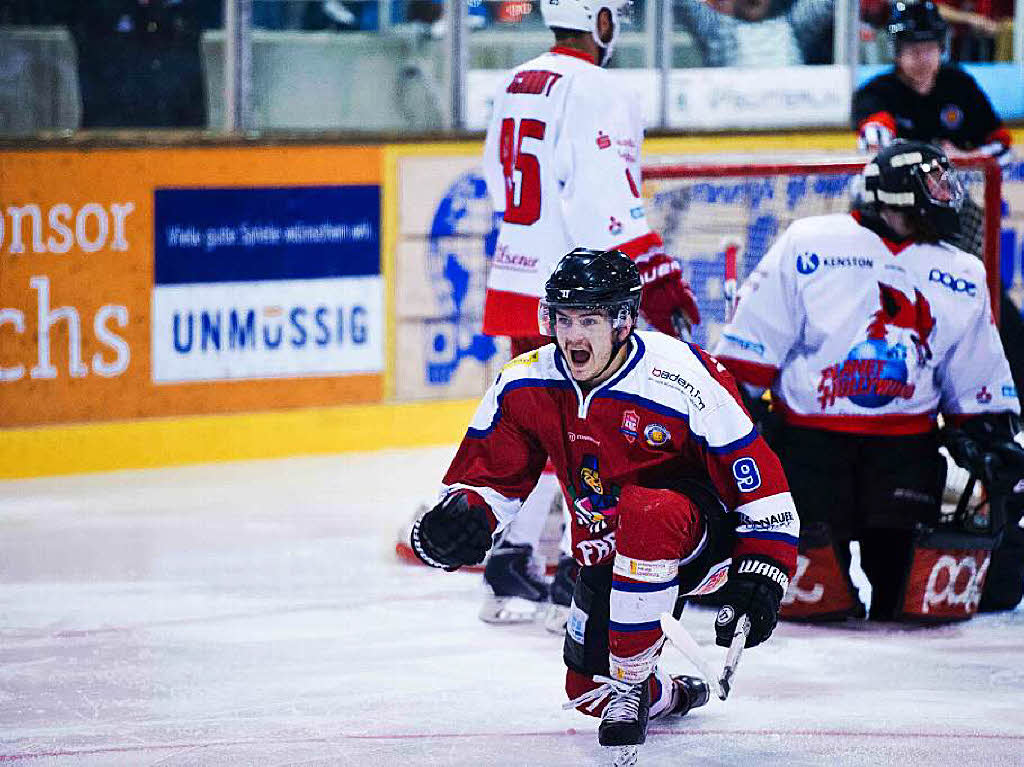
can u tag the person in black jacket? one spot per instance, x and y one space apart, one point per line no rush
139 63
924 99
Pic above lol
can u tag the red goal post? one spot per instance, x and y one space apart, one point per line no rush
716 215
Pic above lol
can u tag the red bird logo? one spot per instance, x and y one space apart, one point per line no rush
899 311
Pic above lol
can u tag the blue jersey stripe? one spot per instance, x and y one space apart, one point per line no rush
629 627
630 364
738 444
762 535
650 404
644 587
523 383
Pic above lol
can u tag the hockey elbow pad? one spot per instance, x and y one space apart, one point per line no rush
667 300
456 532
755 588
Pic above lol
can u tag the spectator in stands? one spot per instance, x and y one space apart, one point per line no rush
139 63
744 33
33 13
977 26
278 14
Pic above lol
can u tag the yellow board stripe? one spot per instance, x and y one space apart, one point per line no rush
50 450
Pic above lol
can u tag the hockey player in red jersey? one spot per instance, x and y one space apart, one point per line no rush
672 490
866 327
562 163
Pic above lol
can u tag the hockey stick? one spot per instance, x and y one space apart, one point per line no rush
685 643
732 657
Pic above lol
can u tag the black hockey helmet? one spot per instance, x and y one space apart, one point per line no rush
916 22
606 280
916 177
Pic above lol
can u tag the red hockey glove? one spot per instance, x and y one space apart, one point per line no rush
456 532
667 300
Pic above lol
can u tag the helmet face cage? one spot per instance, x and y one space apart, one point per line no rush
916 178
619 313
939 184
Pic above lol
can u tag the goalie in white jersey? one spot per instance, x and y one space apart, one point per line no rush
562 163
867 326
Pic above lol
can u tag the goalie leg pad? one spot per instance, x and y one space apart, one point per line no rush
1004 586
945 576
821 589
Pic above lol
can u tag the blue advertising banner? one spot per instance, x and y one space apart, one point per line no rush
287 233
267 283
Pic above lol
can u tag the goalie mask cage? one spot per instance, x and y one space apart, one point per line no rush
719 219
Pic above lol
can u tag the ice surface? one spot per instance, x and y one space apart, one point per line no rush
255 614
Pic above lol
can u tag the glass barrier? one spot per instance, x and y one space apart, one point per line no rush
391 66
67 65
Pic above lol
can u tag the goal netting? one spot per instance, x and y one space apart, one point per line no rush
720 218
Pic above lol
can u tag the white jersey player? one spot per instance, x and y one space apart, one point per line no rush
866 326
562 163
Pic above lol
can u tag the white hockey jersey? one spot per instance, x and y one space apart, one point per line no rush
562 163
858 334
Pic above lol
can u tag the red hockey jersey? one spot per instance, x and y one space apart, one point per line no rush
671 411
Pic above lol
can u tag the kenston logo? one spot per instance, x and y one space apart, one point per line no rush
807 263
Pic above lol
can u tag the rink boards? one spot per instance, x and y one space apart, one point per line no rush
162 306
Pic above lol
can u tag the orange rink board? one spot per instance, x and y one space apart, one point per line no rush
77 290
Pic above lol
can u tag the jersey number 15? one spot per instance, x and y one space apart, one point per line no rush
522 199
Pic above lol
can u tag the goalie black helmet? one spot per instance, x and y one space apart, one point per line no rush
602 279
911 22
918 178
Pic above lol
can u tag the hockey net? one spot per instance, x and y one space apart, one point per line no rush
720 218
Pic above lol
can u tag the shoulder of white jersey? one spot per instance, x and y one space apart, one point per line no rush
676 374
961 261
825 225
681 378
537 365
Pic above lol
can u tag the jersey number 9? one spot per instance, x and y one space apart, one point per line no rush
522 200
748 478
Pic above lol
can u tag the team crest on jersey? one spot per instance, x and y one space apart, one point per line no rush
875 372
984 396
656 435
592 502
630 425
614 225
951 116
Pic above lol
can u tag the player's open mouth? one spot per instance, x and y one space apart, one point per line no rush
579 356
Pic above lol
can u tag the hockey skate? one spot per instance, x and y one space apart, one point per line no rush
689 692
624 721
518 591
561 594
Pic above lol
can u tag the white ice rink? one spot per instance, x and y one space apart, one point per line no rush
255 614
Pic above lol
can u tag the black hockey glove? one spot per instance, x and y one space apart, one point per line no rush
985 445
456 532
755 588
